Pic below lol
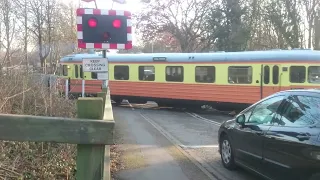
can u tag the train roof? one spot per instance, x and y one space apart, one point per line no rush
244 56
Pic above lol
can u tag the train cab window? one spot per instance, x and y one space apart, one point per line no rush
81 72
297 74
240 74
94 75
266 74
275 74
59 70
205 74
314 74
121 72
76 71
174 73
65 70
146 73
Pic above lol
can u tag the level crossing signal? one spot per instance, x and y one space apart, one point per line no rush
104 29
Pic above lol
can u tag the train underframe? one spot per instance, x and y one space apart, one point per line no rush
173 103
182 103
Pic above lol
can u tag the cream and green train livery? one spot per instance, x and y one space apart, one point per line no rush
218 79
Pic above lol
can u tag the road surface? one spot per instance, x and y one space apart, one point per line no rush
167 144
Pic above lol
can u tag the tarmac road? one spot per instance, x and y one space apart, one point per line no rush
172 144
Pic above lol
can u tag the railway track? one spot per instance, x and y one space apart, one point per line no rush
153 105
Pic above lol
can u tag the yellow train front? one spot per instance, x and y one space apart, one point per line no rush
70 68
224 80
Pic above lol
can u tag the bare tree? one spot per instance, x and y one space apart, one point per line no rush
41 12
9 29
63 34
316 42
181 19
134 50
311 10
21 12
26 33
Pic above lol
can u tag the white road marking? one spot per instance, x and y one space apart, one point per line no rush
203 166
204 119
160 129
201 146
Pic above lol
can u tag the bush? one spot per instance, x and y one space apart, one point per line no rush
24 94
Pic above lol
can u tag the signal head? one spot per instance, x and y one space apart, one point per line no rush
99 28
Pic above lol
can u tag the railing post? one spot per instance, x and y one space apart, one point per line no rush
90 158
67 88
103 96
83 87
105 90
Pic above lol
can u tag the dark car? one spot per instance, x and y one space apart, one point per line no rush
277 137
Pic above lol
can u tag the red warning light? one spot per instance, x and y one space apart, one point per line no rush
92 23
116 23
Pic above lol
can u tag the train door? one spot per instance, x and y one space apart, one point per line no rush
81 72
76 71
270 79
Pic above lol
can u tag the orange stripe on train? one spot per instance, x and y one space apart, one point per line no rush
202 92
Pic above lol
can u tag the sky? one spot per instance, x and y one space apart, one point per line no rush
133 6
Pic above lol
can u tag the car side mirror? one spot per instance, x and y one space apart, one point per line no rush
241 119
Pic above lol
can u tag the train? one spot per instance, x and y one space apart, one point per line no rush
222 80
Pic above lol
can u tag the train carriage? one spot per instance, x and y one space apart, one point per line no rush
222 79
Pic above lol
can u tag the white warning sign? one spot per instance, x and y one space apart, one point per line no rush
95 65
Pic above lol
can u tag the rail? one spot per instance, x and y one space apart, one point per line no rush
92 131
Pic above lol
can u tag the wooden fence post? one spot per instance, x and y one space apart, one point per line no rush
106 174
90 158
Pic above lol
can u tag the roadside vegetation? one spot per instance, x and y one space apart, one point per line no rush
29 94
21 94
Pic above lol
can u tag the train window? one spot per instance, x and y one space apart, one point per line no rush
94 75
297 74
76 71
146 73
81 72
121 72
314 74
59 70
174 73
275 74
205 74
240 74
266 74
65 70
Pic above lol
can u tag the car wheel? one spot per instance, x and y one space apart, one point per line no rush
227 153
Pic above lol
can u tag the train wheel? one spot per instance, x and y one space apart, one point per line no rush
117 102
193 107
160 104
137 101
